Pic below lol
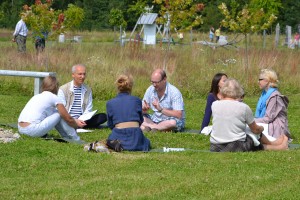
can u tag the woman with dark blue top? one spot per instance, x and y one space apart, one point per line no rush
214 94
124 117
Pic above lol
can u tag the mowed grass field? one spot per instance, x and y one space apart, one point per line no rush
33 168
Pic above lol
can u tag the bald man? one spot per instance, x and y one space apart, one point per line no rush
166 102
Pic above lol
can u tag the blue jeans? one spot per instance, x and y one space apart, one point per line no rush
41 128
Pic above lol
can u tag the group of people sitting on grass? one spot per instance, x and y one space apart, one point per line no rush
162 109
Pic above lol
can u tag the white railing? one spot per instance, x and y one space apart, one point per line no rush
38 77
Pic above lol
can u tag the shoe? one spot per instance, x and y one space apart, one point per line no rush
45 136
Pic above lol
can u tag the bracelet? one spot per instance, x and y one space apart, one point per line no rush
160 110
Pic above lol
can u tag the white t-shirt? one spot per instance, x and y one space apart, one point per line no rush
39 107
229 121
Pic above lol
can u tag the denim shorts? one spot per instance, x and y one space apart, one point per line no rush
179 123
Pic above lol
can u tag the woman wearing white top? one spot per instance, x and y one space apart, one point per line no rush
45 111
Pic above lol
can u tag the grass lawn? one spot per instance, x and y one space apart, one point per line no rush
32 168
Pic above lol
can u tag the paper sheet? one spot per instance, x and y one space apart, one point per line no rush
87 116
81 130
255 137
206 130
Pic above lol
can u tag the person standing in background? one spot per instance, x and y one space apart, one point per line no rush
20 35
218 33
211 34
40 41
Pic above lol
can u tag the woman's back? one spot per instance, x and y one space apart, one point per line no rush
124 108
229 121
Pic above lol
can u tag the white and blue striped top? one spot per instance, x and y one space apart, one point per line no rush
76 109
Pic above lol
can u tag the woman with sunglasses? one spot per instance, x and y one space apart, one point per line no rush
272 106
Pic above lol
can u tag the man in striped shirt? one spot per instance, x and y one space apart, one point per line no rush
77 97
166 102
20 35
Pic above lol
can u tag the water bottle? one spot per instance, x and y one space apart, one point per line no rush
165 149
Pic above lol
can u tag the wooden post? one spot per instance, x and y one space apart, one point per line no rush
277 34
264 39
288 35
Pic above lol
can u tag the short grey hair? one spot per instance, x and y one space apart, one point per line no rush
232 89
77 65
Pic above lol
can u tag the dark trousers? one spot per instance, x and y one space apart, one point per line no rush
40 44
96 120
21 42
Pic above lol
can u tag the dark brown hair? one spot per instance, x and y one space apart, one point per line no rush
215 83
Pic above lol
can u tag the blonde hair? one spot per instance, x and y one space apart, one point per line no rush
232 89
271 76
124 83
50 84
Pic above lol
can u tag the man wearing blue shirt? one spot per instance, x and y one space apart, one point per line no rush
166 102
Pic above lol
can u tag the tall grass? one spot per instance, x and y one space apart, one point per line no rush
32 168
189 67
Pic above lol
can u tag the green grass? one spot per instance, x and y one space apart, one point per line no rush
32 168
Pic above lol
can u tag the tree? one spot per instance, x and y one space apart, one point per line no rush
11 13
117 19
134 11
184 14
74 16
270 7
245 21
40 17
288 14
178 15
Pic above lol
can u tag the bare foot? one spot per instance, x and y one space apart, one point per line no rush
282 146
285 142
279 140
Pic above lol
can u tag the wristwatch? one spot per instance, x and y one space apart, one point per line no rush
160 110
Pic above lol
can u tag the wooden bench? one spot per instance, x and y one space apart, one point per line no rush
38 77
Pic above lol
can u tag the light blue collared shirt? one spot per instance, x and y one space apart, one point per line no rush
21 29
171 100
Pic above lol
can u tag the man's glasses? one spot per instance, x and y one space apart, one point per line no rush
156 82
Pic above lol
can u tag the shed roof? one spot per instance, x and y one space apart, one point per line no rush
147 18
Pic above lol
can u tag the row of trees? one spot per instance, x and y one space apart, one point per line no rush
99 13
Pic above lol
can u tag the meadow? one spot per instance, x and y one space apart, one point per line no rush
33 168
